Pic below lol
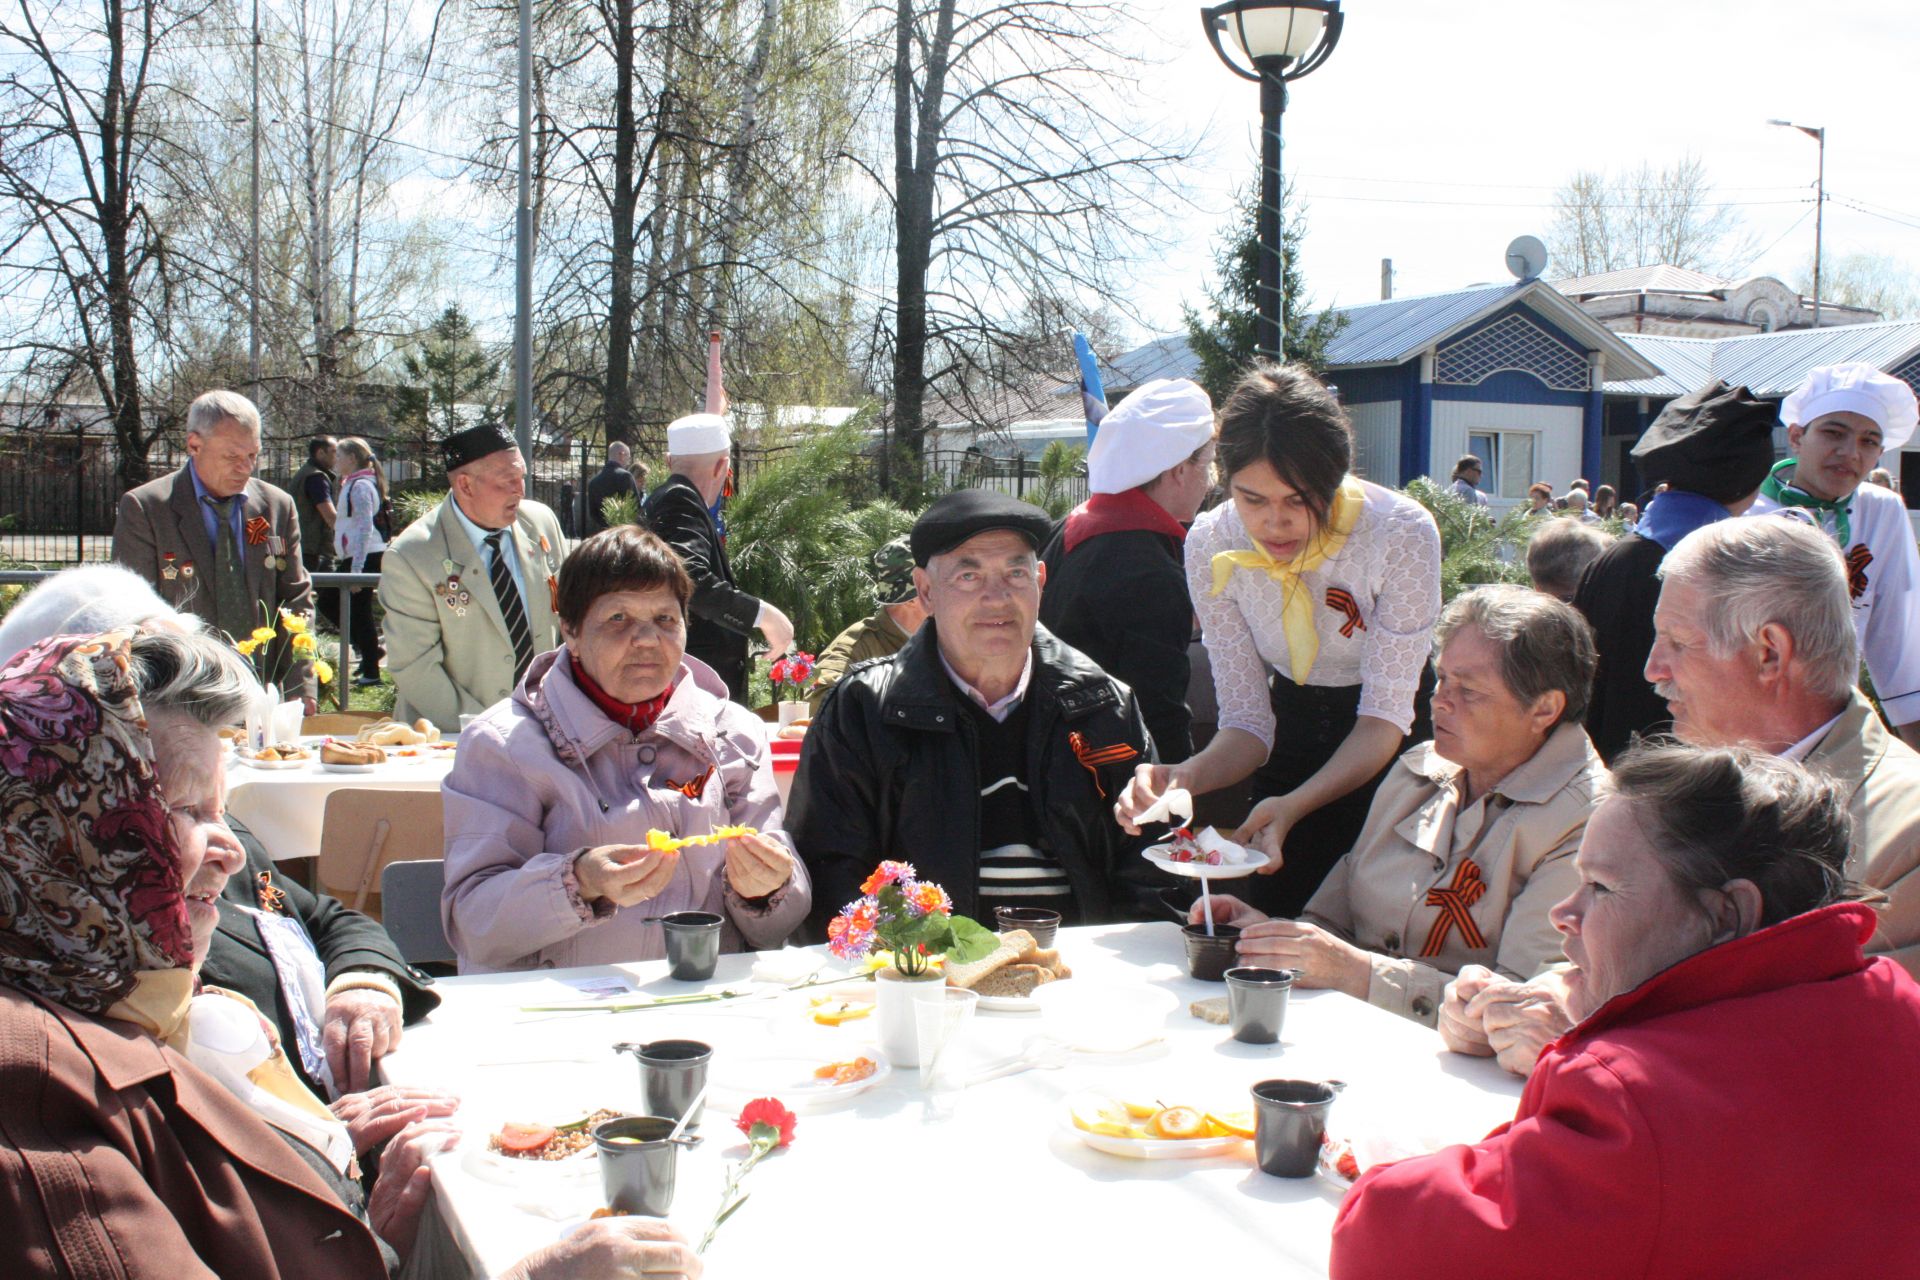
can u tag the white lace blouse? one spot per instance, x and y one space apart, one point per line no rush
1389 567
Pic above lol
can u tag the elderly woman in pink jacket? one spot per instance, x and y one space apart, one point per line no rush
612 735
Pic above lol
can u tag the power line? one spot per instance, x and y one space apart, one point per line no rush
1512 204
1516 186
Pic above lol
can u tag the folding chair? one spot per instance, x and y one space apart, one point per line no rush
410 891
362 829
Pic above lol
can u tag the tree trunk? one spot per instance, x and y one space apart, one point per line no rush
617 395
116 225
916 154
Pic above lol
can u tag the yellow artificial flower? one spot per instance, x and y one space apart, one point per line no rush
295 624
322 671
263 635
246 647
303 642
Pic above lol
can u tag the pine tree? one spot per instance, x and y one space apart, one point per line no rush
1222 336
449 369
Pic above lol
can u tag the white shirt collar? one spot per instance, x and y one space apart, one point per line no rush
1004 707
1801 749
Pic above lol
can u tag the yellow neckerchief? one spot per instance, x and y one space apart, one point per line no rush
159 1004
1296 608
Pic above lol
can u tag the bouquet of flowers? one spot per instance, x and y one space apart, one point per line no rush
790 676
298 629
913 919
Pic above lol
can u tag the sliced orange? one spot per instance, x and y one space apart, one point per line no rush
1102 1115
1177 1123
1139 1110
832 1015
1230 1124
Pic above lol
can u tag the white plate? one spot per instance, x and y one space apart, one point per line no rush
1147 1148
789 1077
1014 1004
1102 1018
328 766
512 1171
252 763
1156 854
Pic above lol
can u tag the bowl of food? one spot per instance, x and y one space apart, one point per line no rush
526 1151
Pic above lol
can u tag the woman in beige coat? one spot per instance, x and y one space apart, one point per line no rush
1470 838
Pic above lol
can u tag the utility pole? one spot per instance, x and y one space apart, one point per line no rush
523 250
253 251
1819 135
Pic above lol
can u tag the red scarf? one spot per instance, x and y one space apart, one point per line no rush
1121 513
636 716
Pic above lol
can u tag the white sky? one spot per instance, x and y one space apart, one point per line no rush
1439 129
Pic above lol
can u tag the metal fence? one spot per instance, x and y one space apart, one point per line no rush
59 492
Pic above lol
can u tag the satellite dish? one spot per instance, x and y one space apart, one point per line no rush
1527 258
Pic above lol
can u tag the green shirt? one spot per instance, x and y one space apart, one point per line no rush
878 636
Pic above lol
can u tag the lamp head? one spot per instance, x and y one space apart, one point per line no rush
1279 38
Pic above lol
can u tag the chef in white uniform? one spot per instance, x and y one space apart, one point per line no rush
1840 421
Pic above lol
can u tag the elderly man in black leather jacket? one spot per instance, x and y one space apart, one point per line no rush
986 752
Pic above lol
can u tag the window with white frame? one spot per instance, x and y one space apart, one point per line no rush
1507 457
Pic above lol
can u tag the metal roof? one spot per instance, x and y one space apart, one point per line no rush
1168 357
1769 364
1659 278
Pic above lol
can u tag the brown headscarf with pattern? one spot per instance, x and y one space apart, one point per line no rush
90 892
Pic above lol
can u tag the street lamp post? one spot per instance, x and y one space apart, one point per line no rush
1282 40
1819 135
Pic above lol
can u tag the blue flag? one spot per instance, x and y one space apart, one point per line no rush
1093 397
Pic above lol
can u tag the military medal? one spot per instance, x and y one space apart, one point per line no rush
167 568
457 597
186 570
276 552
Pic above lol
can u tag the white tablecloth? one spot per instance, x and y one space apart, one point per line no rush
997 1184
284 807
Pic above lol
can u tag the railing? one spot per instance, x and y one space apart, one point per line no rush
321 581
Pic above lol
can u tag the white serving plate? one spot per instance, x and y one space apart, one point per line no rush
1156 854
328 766
253 763
789 1077
1146 1148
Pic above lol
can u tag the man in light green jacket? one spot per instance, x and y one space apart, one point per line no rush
882 633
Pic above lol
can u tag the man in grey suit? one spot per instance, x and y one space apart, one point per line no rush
468 589
215 541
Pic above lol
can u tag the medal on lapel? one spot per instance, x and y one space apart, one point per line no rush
186 570
553 583
276 552
168 569
456 597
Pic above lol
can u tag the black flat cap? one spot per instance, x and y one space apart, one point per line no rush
473 444
967 512
1716 442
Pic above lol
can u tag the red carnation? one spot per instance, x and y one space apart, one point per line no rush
768 1111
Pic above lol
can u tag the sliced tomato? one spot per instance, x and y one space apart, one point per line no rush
524 1137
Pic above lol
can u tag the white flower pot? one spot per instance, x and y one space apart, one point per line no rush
791 711
897 995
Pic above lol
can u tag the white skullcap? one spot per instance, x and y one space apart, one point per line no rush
1855 388
698 433
1158 427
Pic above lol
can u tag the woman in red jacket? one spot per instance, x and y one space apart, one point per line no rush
1737 1096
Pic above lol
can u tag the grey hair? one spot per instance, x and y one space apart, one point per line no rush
1717 814
1559 552
1776 570
1544 645
211 408
196 676
87 601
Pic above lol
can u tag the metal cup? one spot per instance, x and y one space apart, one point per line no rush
637 1164
1290 1119
693 944
1038 921
672 1074
1257 1002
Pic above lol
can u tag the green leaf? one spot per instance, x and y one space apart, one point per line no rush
970 941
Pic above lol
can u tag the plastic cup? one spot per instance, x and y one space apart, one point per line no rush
1208 959
637 1164
693 945
1038 921
1257 1002
1290 1119
939 1027
672 1075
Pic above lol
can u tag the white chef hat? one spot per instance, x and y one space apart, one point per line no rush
698 433
1855 388
1157 427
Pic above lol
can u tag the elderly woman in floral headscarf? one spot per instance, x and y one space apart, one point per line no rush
119 1155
